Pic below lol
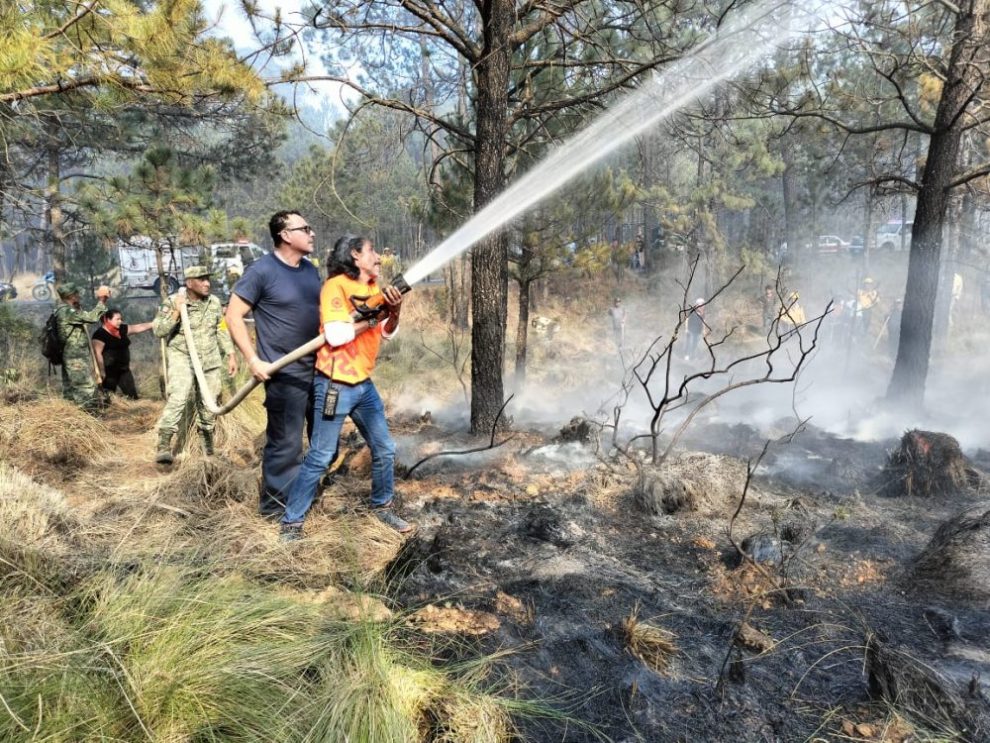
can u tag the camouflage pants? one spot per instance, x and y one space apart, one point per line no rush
181 389
78 384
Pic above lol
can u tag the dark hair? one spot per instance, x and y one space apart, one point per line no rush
110 313
277 223
341 261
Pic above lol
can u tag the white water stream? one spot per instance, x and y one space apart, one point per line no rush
737 46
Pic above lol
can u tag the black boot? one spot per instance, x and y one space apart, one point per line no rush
164 454
206 438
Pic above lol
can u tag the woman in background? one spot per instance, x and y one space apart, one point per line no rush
111 344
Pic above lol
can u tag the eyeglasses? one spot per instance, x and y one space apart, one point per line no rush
305 228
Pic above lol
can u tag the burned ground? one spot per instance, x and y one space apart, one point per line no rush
851 646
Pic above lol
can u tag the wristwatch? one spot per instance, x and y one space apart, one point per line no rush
372 322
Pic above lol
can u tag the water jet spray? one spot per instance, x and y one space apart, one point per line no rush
736 46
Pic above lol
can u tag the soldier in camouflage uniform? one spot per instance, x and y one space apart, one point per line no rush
78 384
213 346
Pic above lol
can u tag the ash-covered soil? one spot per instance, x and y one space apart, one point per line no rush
539 549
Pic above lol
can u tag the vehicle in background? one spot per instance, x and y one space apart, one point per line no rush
856 245
139 264
230 259
895 235
830 244
43 289
7 291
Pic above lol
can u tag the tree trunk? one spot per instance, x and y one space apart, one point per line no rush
55 228
522 333
788 191
907 383
489 266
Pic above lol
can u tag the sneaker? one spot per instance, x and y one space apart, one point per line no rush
291 533
390 518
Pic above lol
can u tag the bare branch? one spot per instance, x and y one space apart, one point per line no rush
491 443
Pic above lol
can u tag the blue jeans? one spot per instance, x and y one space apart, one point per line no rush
362 403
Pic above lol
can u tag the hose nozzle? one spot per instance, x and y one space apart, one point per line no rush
401 284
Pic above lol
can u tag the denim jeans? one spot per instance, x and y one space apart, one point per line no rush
362 403
289 407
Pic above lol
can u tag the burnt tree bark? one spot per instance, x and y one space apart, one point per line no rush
489 264
964 78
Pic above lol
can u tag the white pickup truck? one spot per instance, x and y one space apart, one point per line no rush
139 265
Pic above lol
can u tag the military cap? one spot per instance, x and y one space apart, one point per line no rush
198 272
67 289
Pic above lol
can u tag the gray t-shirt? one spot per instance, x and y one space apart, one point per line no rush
285 303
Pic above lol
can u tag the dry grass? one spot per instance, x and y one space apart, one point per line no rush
239 434
473 718
207 483
653 645
708 483
351 547
956 562
124 416
36 530
51 433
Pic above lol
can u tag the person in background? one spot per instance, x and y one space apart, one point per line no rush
866 299
793 314
342 385
111 346
696 327
78 384
213 346
617 315
282 292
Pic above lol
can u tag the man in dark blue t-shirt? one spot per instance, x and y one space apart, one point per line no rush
282 290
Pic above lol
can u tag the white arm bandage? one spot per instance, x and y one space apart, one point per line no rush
339 333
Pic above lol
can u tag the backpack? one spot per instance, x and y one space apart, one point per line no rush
51 343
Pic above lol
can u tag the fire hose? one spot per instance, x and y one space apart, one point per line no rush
369 307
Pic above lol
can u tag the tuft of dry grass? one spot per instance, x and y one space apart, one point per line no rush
653 645
35 529
473 718
207 483
51 433
694 481
240 432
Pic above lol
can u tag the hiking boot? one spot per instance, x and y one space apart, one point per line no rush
290 533
164 453
206 439
390 518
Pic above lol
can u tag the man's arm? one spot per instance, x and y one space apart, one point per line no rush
237 309
82 317
168 316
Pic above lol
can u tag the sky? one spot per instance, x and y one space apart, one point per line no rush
231 22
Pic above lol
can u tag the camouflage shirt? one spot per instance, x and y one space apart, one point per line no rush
72 328
212 343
